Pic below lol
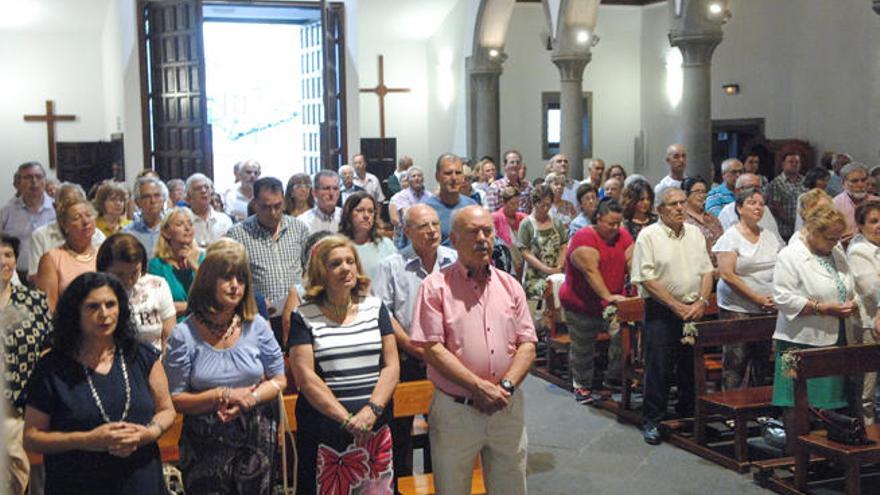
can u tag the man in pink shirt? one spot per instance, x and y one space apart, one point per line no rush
855 192
474 324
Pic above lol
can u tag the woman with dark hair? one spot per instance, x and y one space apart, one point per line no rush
615 171
361 223
97 403
863 255
542 241
746 254
696 189
225 369
596 266
152 306
816 179
298 197
344 359
587 202
638 207
24 318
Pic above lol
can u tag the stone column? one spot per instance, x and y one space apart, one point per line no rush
695 122
571 105
484 117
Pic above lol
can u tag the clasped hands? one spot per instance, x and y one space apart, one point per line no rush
121 439
489 397
234 400
360 425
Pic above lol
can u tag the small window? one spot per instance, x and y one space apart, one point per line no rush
551 129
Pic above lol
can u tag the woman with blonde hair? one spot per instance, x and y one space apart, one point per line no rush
225 369
344 359
806 202
59 266
111 202
814 291
177 256
561 209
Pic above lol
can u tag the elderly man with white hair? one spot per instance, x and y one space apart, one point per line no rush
723 194
208 224
347 186
855 192
414 194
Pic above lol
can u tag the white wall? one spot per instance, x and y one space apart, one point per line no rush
810 68
612 76
37 67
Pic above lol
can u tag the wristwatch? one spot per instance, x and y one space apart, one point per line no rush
376 408
507 385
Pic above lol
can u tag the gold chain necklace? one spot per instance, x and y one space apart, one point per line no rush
83 258
336 310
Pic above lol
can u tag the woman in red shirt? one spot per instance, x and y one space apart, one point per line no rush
596 265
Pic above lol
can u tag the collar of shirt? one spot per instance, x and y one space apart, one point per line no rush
671 233
412 261
259 231
46 205
323 216
465 272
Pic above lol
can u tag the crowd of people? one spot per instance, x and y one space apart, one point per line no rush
121 310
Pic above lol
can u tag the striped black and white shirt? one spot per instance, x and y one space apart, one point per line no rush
348 356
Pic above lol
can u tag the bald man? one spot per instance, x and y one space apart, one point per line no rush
676 159
473 322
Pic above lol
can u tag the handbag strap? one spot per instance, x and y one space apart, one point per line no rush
289 486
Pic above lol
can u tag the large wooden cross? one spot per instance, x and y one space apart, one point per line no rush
50 119
382 90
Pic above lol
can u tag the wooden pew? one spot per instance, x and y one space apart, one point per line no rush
741 405
630 314
816 363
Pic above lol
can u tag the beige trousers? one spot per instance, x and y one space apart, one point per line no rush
19 466
459 433
858 335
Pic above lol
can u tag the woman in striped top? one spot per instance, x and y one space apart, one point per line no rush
344 359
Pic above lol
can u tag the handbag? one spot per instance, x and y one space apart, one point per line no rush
773 432
288 482
173 480
842 428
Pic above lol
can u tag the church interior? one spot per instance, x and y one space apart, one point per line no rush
783 71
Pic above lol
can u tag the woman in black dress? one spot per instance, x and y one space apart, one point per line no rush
97 403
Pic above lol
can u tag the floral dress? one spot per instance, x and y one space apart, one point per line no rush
545 245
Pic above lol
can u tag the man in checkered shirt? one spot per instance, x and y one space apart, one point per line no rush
274 243
782 194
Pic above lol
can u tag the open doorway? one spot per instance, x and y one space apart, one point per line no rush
262 66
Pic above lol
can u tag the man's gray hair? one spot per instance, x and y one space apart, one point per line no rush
25 165
65 186
412 169
454 217
325 173
726 164
445 157
839 157
852 167
345 168
148 180
407 213
741 180
660 200
197 177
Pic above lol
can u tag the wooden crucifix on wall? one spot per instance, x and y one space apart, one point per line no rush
50 118
381 90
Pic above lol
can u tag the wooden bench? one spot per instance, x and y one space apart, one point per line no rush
630 314
816 363
741 405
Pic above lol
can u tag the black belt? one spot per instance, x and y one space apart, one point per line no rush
460 400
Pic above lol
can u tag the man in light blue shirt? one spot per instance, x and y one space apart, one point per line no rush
723 193
30 209
150 195
450 177
397 284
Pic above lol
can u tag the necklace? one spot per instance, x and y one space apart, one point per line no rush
81 257
336 310
98 398
218 330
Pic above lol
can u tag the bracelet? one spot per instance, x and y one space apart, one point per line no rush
153 422
277 387
376 408
816 307
255 396
345 422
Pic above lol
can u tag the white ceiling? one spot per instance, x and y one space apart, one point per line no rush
57 16
404 19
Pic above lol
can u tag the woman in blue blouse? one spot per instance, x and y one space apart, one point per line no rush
177 256
225 369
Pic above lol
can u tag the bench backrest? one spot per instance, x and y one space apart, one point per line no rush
827 361
713 333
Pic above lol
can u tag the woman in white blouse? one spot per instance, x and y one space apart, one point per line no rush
746 254
864 260
814 291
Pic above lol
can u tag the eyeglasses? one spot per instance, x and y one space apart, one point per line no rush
328 188
33 178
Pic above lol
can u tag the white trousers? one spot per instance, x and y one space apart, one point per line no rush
459 433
